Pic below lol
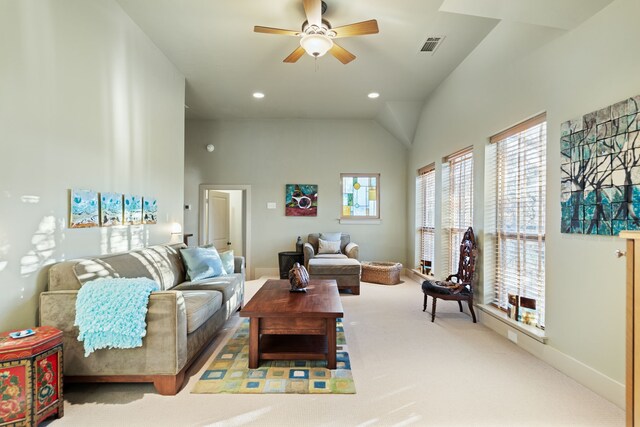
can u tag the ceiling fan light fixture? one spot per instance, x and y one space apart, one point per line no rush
316 45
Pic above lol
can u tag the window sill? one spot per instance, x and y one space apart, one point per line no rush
531 331
422 275
359 221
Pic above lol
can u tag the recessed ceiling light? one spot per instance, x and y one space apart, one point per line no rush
373 95
258 95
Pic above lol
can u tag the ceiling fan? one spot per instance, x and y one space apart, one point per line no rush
316 37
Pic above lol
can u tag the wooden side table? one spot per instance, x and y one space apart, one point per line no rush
31 377
286 260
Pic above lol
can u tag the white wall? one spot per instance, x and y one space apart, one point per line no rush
268 154
86 101
566 75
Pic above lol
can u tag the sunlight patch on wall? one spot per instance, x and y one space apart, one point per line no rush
44 244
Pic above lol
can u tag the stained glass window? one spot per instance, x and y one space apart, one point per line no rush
360 196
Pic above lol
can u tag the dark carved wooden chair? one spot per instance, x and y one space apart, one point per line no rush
462 288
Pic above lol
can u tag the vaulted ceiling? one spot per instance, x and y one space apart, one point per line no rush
213 44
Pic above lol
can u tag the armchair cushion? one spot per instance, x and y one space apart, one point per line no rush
334 237
328 246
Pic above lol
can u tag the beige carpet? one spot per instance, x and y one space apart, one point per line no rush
409 372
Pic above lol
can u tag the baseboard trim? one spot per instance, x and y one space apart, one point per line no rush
271 272
596 381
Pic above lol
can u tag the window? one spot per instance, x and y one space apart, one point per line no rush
457 203
425 217
516 195
360 196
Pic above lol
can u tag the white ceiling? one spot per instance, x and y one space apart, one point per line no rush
213 44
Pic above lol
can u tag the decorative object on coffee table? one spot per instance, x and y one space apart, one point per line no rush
299 278
383 273
31 376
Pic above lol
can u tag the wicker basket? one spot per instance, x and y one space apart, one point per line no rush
384 273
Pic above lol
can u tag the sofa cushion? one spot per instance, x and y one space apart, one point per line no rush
327 266
161 263
228 285
200 306
228 261
202 263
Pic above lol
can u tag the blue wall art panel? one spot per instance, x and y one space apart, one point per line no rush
111 210
132 209
84 209
150 210
600 170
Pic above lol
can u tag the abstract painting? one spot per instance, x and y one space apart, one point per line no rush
132 209
84 209
600 170
301 200
111 212
150 210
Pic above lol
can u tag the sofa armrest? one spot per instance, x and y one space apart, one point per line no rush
309 253
352 250
238 264
164 347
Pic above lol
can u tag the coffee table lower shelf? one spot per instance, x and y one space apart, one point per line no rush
293 347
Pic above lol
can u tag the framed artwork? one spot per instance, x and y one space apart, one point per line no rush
111 211
132 209
600 170
150 210
84 209
301 200
360 196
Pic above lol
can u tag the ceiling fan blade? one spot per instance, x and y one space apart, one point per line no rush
271 30
358 29
295 55
313 10
342 54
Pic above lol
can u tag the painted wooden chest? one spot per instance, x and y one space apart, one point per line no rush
31 377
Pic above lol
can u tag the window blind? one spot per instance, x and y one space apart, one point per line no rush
457 196
425 218
516 165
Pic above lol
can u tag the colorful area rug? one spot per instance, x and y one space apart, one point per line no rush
229 372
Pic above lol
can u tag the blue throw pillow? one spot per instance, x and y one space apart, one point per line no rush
202 263
228 261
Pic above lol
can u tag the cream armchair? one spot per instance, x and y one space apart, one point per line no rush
348 249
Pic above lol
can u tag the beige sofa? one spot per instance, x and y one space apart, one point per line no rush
182 317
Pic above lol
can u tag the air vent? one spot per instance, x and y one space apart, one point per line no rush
432 44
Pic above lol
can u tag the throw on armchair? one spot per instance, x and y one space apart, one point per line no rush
313 248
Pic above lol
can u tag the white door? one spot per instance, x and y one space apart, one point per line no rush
218 232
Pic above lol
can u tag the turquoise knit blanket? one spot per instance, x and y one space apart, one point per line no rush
110 313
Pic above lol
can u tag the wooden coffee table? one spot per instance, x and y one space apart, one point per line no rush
293 326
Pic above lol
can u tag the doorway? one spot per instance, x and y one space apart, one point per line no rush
224 218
